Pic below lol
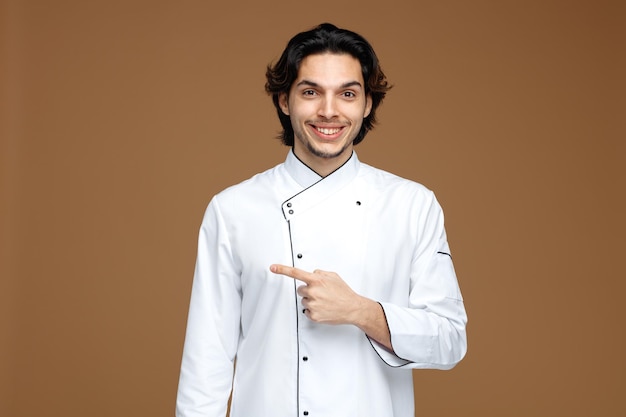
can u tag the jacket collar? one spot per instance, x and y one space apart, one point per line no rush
315 188
306 177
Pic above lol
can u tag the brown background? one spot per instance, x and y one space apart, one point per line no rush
120 120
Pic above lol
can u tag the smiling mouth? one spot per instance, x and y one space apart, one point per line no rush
328 130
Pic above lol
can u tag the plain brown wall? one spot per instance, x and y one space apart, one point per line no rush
120 120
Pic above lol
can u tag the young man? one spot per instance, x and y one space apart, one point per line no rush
326 280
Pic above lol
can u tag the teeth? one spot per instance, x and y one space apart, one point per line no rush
328 131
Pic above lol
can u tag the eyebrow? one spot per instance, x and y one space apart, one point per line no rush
344 85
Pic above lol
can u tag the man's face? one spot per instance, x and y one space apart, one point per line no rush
326 104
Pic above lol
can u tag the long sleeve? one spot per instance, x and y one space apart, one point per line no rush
212 325
429 332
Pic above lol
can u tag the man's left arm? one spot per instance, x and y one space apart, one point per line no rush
428 332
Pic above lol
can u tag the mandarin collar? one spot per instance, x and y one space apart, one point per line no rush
306 177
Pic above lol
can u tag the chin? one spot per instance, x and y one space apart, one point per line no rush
329 152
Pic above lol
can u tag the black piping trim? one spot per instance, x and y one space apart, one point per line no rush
312 185
295 195
295 286
445 253
376 350
295 294
331 173
302 162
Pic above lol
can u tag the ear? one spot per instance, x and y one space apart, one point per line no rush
283 102
368 106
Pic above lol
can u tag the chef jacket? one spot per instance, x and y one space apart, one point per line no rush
384 235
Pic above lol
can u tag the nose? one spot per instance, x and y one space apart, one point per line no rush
328 107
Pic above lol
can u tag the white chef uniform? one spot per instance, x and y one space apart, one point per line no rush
384 235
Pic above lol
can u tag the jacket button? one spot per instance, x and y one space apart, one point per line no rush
288 204
290 211
306 413
305 358
299 256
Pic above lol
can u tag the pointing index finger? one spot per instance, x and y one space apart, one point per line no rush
292 272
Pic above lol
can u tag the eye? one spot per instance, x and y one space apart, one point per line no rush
349 94
308 93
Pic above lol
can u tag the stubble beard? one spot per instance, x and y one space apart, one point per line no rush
326 155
